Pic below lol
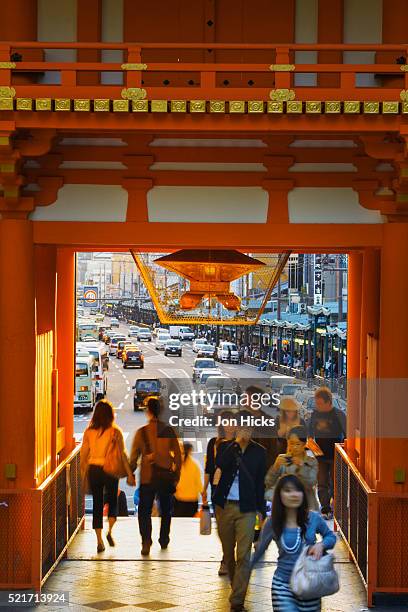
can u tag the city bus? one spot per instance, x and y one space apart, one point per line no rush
88 329
99 352
85 392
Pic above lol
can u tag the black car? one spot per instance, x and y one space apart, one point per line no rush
173 347
132 357
144 388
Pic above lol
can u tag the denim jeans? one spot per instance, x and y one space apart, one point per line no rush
147 496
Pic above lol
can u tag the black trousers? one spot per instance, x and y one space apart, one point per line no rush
98 482
185 508
144 513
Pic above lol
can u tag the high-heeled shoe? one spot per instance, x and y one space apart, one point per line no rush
111 541
100 548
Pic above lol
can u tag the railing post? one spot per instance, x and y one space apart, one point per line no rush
5 74
348 84
134 77
282 79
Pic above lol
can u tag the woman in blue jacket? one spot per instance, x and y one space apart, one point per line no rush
294 527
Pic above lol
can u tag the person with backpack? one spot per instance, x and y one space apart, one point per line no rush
327 425
157 445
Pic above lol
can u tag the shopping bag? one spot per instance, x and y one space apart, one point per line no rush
312 579
205 521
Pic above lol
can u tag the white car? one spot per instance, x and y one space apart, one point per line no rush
200 364
133 331
160 330
144 333
228 351
161 340
206 374
185 333
113 346
197 344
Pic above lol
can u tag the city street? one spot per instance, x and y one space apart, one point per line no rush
178 371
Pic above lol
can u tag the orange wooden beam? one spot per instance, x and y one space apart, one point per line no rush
254 237
92 124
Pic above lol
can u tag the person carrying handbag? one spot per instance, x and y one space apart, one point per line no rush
159 448
295 527
103 461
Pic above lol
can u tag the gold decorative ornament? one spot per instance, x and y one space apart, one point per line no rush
390 108
6 104
7 168
351 107
133 93
236 106
282 95
294 107
371 108
134 66
404 95
159 106
7 92
11 191
82 105
7 65
120 106
197 106
313 107
282 67
332 107
140 106
405 108
404 67
43 104
62 104
255 106
25 104
101 105
217 106
275 107
178 106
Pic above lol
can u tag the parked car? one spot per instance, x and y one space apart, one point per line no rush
161 340
144 333
132 357
173 347
198 343
144 388
228 351
202 363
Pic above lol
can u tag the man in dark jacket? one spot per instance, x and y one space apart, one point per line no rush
238 498
327 426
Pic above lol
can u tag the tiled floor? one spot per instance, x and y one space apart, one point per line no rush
181 579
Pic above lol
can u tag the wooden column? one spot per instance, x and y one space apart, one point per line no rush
370 313
17 372
89 29
393 361
330 30
66 344
353 351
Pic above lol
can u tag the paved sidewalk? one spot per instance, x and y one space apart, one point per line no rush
181 579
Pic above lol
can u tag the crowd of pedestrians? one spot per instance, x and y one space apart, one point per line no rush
246 470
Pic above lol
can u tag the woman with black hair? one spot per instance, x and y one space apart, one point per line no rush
295 526
101 432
